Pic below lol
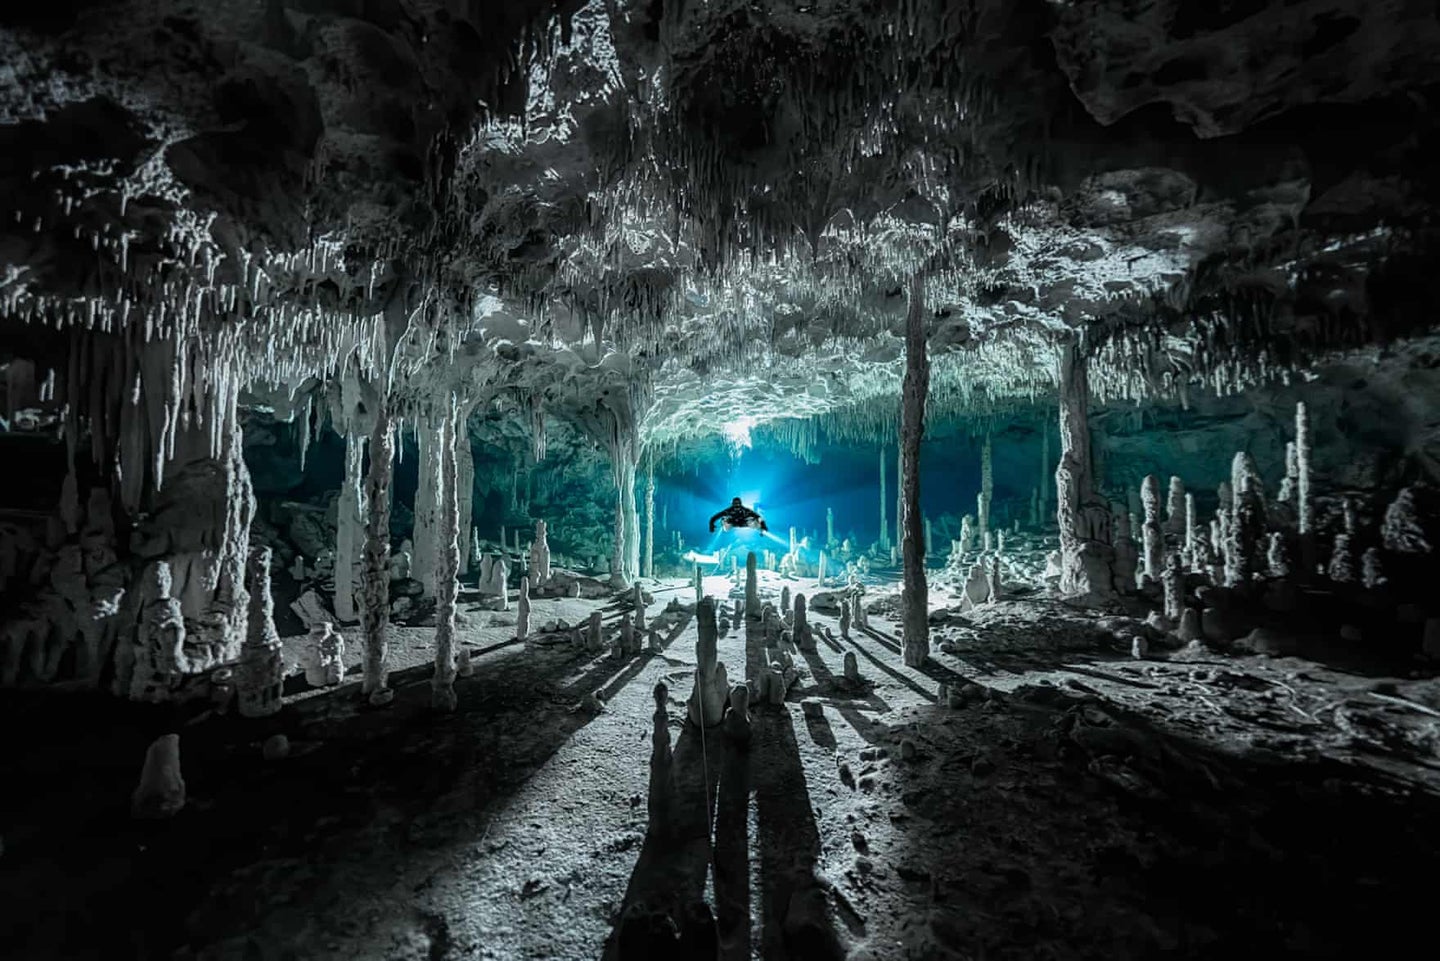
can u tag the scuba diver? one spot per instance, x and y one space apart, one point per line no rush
738 515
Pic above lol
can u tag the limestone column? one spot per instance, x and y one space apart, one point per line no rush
884 525
426 538
1085 552
442 684
987 488
464 483
899 493
915 592
377 554
649 567
350 523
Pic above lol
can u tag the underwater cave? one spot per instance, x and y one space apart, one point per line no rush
674 479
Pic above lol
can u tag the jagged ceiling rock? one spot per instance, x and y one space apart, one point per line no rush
682 209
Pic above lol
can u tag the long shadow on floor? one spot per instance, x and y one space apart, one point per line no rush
1189 849
674 861
787 837
380 788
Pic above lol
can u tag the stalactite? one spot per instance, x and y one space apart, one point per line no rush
377 554
442 684
915 593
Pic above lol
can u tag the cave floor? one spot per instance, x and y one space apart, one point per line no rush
1089 805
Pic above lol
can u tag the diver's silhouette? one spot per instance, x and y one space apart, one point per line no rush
738 515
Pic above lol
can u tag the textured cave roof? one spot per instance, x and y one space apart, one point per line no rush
688 209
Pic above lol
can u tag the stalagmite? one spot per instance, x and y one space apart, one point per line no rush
737 719
627 645
706 706
699 585
1302 468
1289 486
820 571
785 599
261 672
1152 544
350 522
1175 507
845 620
1245 529
161 791
752 588
1086 557
1372 569
595 637
852 668
1343 568
522 613
967 534
377 553
540 557
829 526
324 660
987 484
1127 555
637 606
915 592
804 639
1172 580
447 570
1192 532
1277 556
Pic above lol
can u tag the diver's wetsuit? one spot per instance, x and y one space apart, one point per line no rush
738 515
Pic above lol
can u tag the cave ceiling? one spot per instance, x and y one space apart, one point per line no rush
681 211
